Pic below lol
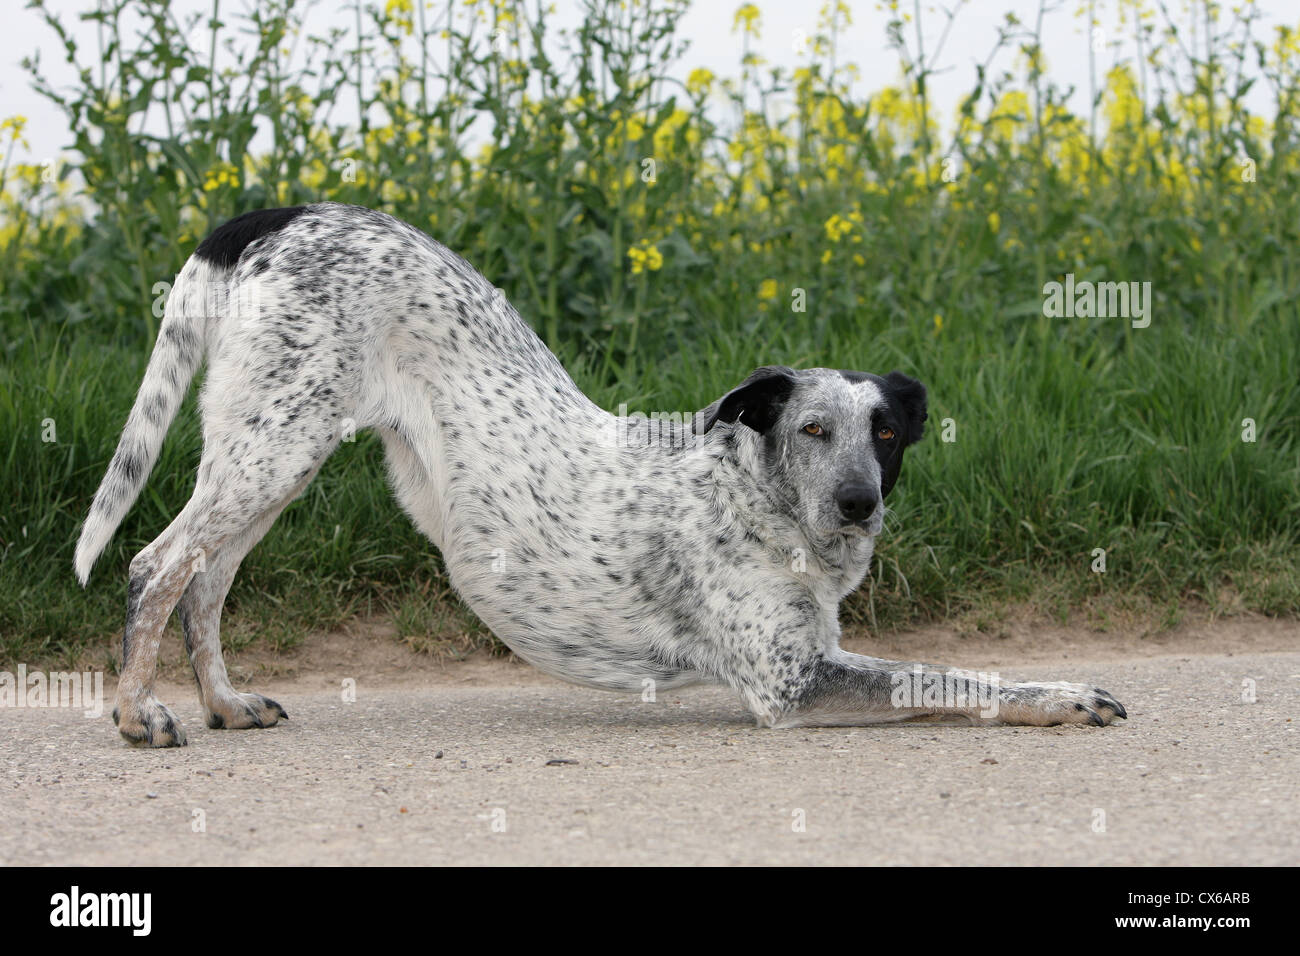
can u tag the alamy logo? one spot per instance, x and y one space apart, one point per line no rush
74 909
954 689
1102 300
55 689
655 430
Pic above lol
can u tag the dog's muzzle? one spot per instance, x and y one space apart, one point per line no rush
857 502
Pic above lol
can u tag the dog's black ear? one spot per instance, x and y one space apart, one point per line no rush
908 396
755 402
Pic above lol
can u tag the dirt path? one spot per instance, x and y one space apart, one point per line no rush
456 763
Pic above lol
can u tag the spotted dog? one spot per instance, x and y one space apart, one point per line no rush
714 550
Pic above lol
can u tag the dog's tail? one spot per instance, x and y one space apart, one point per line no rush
176 355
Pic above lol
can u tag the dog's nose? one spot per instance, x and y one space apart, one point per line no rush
856 501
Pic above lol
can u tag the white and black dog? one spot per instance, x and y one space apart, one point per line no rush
718 551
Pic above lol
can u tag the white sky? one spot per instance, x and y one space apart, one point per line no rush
708 24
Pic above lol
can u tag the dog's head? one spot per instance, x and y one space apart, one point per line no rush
829 442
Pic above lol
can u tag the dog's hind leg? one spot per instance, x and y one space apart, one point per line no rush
244 482
200 613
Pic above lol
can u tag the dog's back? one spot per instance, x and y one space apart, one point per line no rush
313 327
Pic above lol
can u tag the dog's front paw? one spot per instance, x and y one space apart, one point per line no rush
1048 704
237 711
148 723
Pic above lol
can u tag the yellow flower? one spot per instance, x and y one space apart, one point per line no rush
995 222
767 289
645 255
1012 111
1122 102
399 12
837 227
747 20
938 323
666 134
700 81
15 124
223 174
826 256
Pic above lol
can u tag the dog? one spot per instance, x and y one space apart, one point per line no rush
652 555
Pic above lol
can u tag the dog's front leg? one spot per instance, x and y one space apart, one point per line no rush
843 689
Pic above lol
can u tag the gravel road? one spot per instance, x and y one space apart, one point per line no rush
530 771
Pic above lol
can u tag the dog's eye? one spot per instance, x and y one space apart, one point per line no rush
812 428
885 434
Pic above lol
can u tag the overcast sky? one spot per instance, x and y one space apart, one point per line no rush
714 45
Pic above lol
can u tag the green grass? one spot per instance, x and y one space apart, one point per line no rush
1060 447
1068 434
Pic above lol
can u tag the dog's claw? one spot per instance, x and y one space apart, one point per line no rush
1107 699
245 711
1094 718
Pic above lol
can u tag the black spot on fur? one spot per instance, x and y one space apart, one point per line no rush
227 243
130 466
755 402
134 591
168 729
904 412
908 396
